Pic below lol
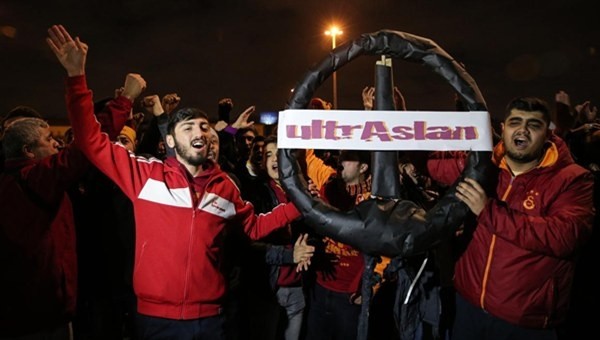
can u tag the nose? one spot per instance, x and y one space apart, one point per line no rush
522 129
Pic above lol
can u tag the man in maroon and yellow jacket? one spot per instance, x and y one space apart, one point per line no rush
514 278
183 209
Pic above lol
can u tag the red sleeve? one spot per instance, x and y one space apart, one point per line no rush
566 224
114 116
51 176
259 226
445 167
112 160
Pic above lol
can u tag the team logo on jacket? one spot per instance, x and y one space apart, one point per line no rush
529 202
217 205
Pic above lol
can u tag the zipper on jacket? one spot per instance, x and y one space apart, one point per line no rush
488 262
187 265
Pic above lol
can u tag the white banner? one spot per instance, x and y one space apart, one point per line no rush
384 130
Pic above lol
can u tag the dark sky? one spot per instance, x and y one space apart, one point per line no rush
256 51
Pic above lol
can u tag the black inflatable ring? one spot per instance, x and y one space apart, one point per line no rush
389 228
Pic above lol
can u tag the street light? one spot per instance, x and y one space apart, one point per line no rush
334 32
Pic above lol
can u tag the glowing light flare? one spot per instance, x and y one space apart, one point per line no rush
333 32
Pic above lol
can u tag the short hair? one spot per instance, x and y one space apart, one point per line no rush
23 131
529 104
242 131
182 115
317 103
360 156
239 141
20 111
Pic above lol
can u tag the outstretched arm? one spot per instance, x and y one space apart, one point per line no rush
109 158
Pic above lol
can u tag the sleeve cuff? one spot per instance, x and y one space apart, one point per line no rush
77 83
230 130
124 102
288 256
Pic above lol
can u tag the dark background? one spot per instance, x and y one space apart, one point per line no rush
256 51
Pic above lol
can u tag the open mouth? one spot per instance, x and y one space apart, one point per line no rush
197 144
521 142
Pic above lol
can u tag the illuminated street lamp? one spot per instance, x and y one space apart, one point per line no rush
334 32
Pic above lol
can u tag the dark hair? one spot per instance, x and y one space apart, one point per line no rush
242 131
258 138
529 104
100 105
360 156
270 139
317 103
182 115
20 111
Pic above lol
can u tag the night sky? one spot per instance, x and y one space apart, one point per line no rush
256 51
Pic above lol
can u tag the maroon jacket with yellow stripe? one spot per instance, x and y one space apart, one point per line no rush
519 264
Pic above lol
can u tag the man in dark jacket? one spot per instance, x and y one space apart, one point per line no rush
37 235
514 278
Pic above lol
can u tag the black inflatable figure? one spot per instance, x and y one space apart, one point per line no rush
386 225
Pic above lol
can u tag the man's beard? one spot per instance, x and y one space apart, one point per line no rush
523 157
197 160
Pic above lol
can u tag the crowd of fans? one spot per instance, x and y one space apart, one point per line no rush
162 224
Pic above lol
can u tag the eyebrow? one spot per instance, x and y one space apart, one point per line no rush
190 122
536 120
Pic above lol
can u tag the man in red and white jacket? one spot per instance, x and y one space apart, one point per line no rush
183 209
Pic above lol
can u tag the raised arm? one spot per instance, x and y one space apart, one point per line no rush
114 116
155 106
113 160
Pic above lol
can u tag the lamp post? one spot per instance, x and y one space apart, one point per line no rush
334 32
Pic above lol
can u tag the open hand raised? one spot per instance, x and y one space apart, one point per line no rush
70 53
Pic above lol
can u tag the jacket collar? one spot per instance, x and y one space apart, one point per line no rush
17 163
550 158
210 168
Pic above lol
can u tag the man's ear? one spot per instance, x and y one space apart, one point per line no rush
363 168
28 151
170 140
